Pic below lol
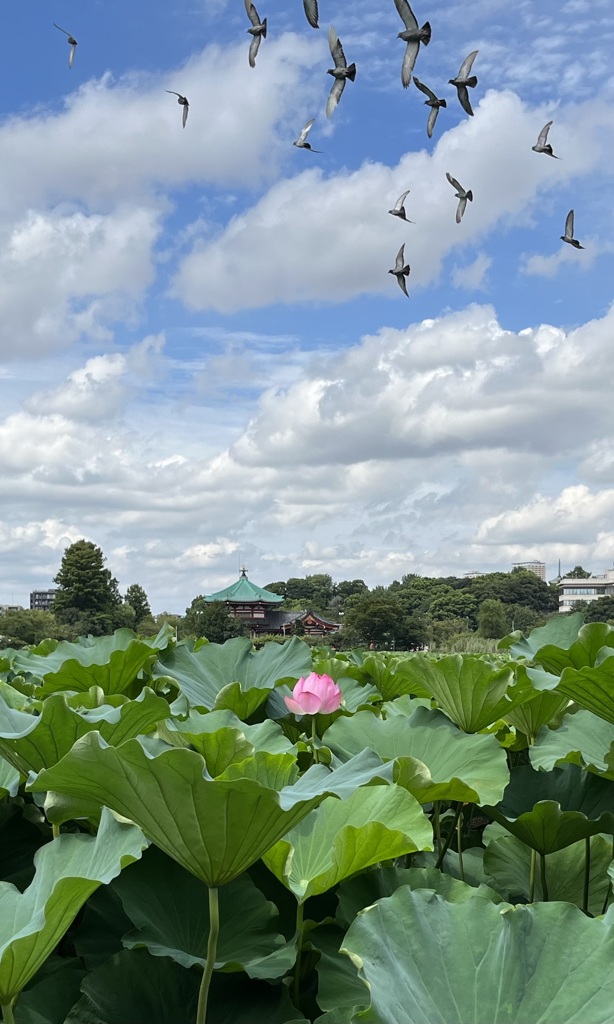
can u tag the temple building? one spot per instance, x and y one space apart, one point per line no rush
257 607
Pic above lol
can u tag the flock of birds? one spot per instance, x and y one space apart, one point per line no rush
413 36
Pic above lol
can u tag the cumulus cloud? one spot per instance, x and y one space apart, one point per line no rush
328 238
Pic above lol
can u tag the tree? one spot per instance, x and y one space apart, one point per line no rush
212 620
492 619
577 573
88 597
601 610
277 588
454 604
30 627
137 598
379 620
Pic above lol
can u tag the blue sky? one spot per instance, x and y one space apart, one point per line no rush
203 360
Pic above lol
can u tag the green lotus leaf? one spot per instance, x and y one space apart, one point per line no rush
582 739
214 828
591 688
595 641
472 873
340 838
471 691
546 963
111 662
136 987
221 737
68 870
369 887
233 675
560 631
14 698
9 779
529 718
33 742
435 759
152 890
102 927
51 996
551 810
393 676
507 862
338 983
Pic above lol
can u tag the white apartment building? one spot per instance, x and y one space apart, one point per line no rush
591 589
537 568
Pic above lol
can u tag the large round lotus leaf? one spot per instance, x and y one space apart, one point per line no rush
233 675
9 779
151 896
214 828
52 994
369 887
560 631
68 870
435 759
591 688
341 838
111 662
33 742
507 862
338 981
472 691
595 641
551 810
581 739
427 961
537 712
194 729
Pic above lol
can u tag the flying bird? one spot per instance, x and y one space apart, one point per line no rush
568 236
399 210
433 102
401 270
463 81
340 72
301 142
413 36
72 42
311 12
183 101
542 145
461 195
257 32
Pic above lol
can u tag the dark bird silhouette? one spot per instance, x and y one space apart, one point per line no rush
413 36
398 209
433 102
461 195
311 12
341 72
257 32
183 101
301 142
401 270
542 145
464 81
72 42
568 236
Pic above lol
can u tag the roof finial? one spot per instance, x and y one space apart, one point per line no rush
244 571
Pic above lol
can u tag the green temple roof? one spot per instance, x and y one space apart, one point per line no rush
244 592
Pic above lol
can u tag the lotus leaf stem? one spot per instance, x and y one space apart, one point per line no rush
459 844
296 985
587 873
55 830
214 931
437 826
7 1013
314 737
532 874
542 860
449 837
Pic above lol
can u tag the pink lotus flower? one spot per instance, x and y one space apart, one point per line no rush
315 695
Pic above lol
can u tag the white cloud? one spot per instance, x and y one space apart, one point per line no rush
328 238
473 277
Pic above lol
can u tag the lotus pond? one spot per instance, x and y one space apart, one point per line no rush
177 846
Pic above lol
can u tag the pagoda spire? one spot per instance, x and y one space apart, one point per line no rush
244 571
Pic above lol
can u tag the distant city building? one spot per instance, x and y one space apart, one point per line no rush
538 568
11 608
573 589
473 575
256 607
42 600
